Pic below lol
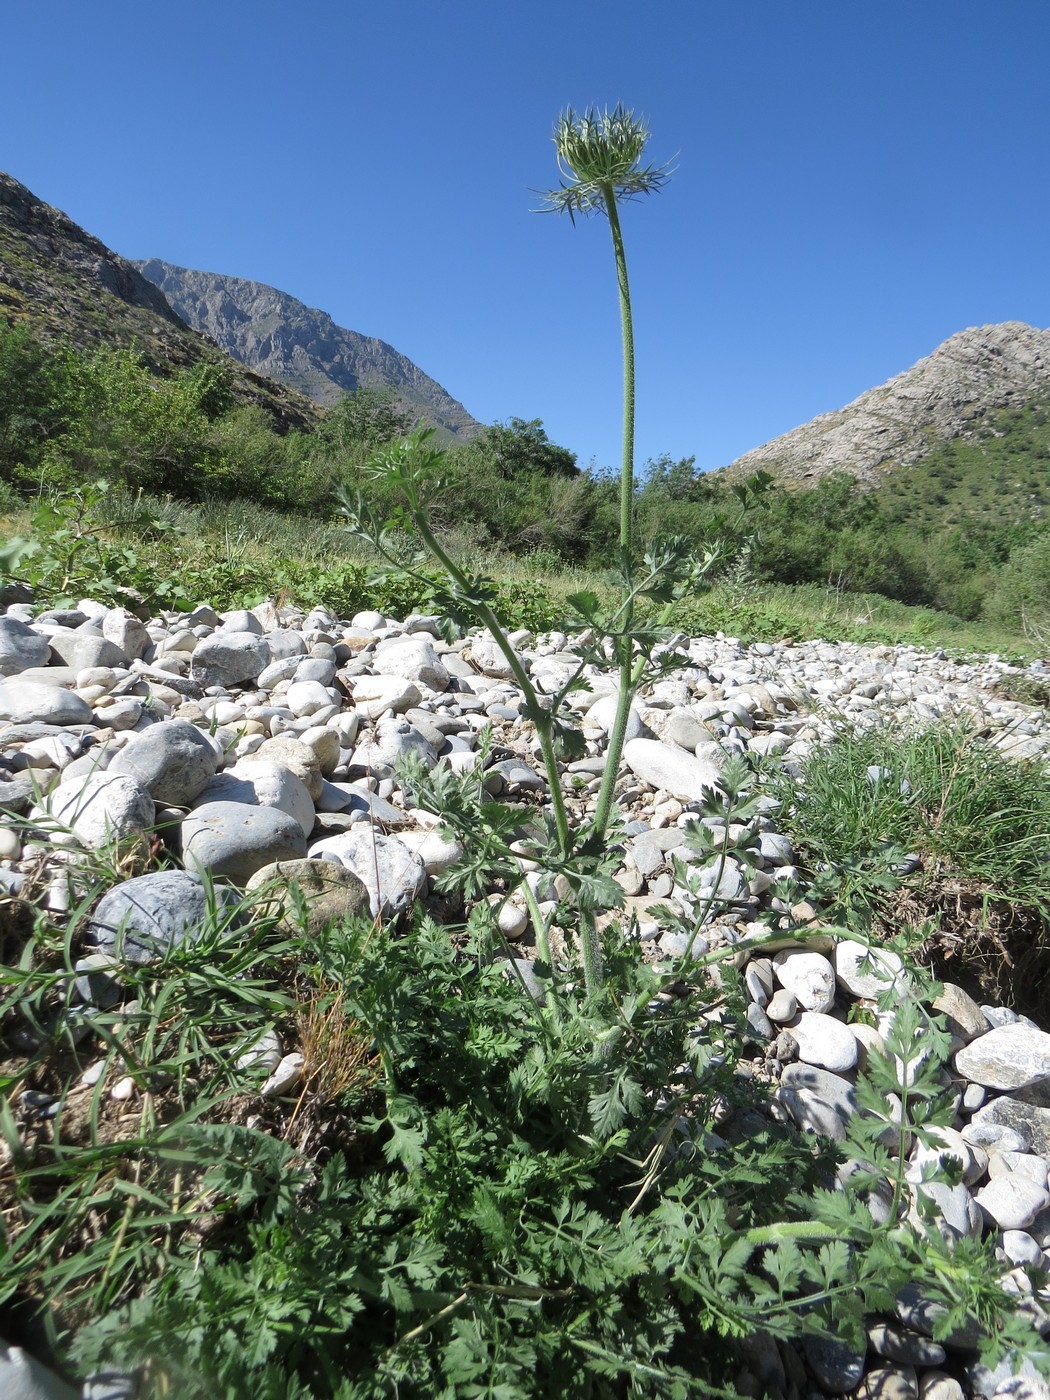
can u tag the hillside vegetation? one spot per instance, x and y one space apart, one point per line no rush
962 534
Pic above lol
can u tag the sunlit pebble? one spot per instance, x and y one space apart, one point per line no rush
123 1089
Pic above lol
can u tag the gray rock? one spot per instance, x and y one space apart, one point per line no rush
234 840
922 1314
229 659
1008 1057
394 876
963 1013
85 649
99 810
20 647
889 1383
174 760
836 1365
909 1348
141 919
668 767
263 783
816 1099
1030 1125
782 1006
1012 1201
956 1210
26 702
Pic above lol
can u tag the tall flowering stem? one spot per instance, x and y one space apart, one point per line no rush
600 157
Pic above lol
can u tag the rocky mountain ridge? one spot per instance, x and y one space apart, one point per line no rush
281 337
68 287
949 394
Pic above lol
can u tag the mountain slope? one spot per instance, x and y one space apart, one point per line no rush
300 346
954 394
67 287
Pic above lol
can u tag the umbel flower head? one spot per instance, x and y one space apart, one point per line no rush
600 159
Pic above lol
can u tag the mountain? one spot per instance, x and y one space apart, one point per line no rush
300 346
964 392
67 287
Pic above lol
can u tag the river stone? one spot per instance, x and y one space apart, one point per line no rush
28 702
602 716
956 1210
393 740
229 659
394 876
817 1100
867 972
142 918
437 852
413 658
1012 1200
306 698
380 694
825 1042
837 1366
174 760
126 632
810 976
889 1383
965 1017
297 756
898 1344
20 647
101 809
938 1385
265 784
330 892
82 650
666 766
1007 1057
490 660
234 840
22 1377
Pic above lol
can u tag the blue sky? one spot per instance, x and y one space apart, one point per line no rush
856 180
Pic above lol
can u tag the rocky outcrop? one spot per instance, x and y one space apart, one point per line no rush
67 287
303 347
949 394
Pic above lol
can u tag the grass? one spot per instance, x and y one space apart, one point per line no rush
232 553
978 906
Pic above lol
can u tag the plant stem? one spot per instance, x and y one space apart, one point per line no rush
627 328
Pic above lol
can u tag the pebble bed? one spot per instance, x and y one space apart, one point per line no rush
269 738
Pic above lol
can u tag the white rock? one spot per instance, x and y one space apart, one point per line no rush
394 876
825 1042
378 695
99 810
602 716
435 851
810 976
666 766
868 972
1008 1057
286 1077
415 659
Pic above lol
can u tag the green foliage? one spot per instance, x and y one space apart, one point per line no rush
944 793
